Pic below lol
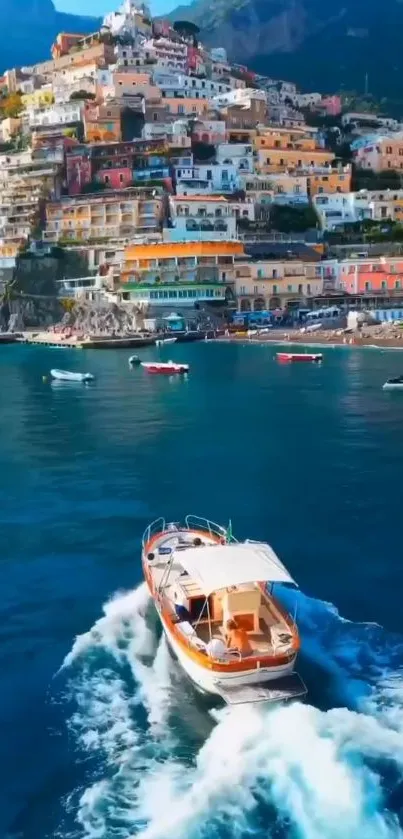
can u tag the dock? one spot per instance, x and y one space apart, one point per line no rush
57 341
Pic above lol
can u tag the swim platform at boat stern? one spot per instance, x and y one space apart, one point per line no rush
276 690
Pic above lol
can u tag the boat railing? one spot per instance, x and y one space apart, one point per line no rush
210 527
156 526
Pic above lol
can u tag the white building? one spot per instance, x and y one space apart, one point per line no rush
173 133
239 155
63 113
206 178
206 217
180 85
130 19
241 97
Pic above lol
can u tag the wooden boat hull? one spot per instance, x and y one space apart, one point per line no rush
211 682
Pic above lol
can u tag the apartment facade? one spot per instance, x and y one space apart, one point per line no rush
120 216
180 274
380 153
273 284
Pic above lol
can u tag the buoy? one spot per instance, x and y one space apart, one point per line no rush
44 378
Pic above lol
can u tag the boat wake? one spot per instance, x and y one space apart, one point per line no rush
291 771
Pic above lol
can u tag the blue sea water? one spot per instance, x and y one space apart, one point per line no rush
101 737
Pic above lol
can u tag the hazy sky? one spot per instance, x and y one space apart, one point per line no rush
99 7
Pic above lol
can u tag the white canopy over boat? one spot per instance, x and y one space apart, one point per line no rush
215 567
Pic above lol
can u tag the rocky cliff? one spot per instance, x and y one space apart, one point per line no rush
321 46
28 28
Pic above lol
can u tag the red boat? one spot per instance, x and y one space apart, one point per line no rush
169 368
291 356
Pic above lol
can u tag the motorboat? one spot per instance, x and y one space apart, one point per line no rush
134 360
394 384
214 598
292 356
68 376
160 342
168 368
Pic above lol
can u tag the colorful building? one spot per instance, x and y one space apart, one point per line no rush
267 284
102 123
64 42
180 273
380 153
118 216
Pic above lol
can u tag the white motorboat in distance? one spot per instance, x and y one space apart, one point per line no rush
160 342
394 384
214 597
68 376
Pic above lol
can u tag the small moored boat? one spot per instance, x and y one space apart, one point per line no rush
169 367
160 342
293 356
394 384
134 360
68 376
214 597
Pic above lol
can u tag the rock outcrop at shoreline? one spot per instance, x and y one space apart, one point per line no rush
103 318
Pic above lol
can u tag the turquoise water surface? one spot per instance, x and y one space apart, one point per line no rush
101 737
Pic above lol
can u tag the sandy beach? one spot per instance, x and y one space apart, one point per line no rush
375 337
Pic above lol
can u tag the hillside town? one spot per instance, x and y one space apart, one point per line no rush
183 182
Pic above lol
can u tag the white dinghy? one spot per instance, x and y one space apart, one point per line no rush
68 376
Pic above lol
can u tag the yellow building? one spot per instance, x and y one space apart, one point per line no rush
272 284
89 218
330 180
180 273
39 98
279 149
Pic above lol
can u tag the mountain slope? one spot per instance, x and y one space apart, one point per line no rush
28 28
321 46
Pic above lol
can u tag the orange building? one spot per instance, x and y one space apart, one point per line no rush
330 180
102 123
186 107
279 149
182 273
64 42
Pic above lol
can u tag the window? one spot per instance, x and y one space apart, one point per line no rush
308 288
259 273
274 274
181 109
300 289
367 286
383 285
106 179
289 288
388 149
255 289
275 289
397 284
242 289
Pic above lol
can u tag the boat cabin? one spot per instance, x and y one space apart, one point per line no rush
215 594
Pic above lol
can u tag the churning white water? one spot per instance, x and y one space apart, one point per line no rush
320 771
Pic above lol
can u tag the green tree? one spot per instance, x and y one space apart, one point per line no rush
287 219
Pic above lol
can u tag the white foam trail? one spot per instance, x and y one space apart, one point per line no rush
311 765
295 757
123 625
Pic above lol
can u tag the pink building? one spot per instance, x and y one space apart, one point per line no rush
331 105
117 178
